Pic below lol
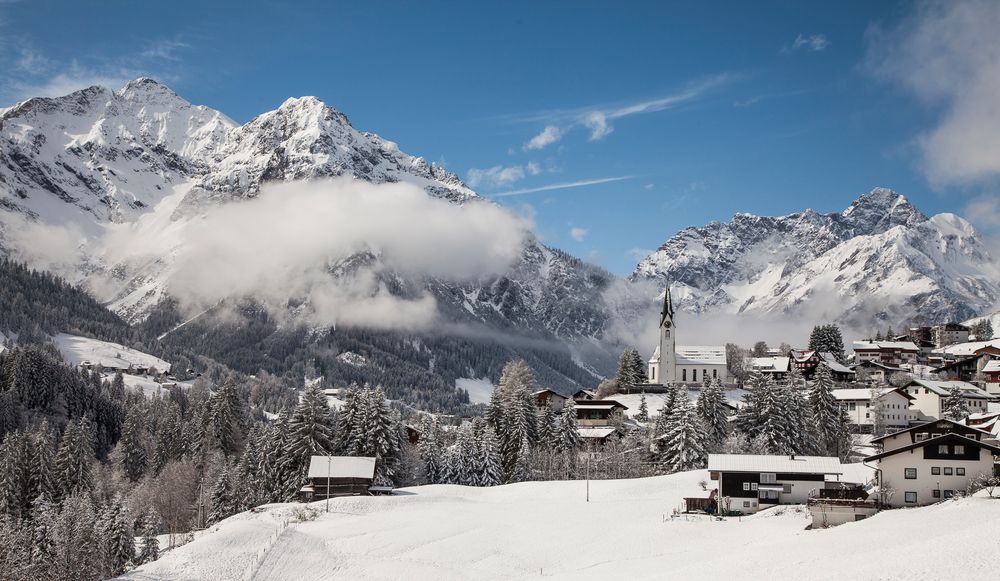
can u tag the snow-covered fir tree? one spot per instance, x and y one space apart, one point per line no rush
131 448
119 536
224 501
489 469
714 414
228 419
431 450
643 414
547 427
828 421
311 430
74 459
149 546
827 339
955 407
569 432
631 369
683 446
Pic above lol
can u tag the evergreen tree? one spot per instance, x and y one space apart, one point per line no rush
119 537
43 461
43 537
74 459
223 497
149 549
133 458
489 471
683 447
569 433
311 430
228 419
955 407
712 411
547 428
827 339
631 369
643 415
828 419
15 479
431 450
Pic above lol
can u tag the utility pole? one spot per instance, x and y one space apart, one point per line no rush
328 462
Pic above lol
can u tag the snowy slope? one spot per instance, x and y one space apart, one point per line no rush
881 257
994 321
75 350
546 529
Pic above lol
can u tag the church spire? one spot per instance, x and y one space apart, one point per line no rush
668 307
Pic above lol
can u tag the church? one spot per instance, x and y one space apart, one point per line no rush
672 363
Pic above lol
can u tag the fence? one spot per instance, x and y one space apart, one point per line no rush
258 558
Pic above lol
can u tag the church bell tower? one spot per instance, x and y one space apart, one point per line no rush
667 372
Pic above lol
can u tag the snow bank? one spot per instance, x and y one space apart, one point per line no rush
75 350
546 529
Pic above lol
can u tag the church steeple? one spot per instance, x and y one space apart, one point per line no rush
668 307
665 367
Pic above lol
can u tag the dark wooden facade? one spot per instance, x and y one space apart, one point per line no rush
322 488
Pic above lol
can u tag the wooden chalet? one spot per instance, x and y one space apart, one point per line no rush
548 397
331 476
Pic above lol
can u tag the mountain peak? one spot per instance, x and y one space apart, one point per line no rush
881 209
312 108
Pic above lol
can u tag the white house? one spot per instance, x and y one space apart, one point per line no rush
860 408
672 363
893 353
931 462
928 396
776 366
752 482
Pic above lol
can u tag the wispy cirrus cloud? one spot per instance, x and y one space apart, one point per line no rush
578 234
499 175
561 186
808 43
947 54
597 120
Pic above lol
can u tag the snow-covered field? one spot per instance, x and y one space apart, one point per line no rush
547 530
75 350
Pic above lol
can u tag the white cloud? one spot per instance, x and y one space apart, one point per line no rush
497 175
810 43
548 136
164 49
64 82
578 234
533 168
638 254
948 55
597 120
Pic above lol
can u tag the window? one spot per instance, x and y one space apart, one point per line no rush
947 471
684 374
715 373
922 436
753 486
935 470
936 493
694 375
867 415
851 406
949 493
909 473
942 448
746 504
959 449
746 486
787 489
768 478
959 471
910 497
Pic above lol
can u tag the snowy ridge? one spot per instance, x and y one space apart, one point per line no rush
881 257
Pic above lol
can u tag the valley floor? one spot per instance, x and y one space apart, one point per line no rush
547 530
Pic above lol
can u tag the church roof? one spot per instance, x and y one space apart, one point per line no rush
701 354
668 307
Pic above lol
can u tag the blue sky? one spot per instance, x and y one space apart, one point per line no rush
682 112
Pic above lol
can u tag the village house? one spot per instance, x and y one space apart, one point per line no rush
547 397
969 368
331 476
775 366
875 372
584 394
991 377
807 360
891 353
949 334
988 422
860 408
748 483
599 420
929 396
672 363
931 462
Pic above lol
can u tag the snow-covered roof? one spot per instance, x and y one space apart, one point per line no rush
991 366
967 349
772 364
596 433
830 361
855 473
854 394
943 388
342 467
879 345
700 354
598 404
771 463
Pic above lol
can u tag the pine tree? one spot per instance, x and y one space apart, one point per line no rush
517 421
827 339
547 427
223 499
133 458
431 450
683 447
643 415
43 451
490 471
119 537
631 369
43 537
278 473
149 549
311 430
228 419
74 459
465 451
712 411
15 481
569 433
522 466
827 416
955 407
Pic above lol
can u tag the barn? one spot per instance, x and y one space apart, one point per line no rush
331 476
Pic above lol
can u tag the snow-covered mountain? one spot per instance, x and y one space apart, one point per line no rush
141 163
881 257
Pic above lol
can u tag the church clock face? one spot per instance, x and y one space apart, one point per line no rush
667 324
